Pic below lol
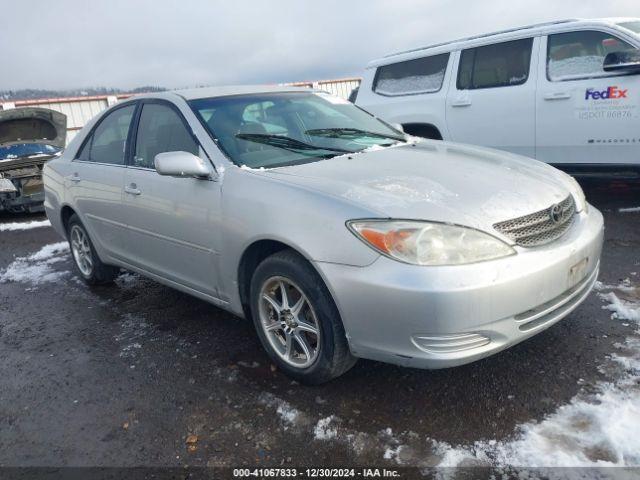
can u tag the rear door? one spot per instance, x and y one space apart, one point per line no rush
409 92
170 220
584 114
97 178
492 97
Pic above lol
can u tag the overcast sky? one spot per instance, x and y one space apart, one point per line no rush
83 43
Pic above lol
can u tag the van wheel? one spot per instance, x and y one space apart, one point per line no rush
297 321
85 258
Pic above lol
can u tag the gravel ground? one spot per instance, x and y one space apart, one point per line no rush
139 374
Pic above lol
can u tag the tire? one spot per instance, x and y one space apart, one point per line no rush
85 259
327 355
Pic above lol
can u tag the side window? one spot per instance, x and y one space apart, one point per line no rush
500 65
422 75
108 141
84 153
160 130
576 55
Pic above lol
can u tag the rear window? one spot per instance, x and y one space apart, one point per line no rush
500 65
422 75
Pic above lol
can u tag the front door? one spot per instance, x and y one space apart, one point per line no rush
491 99
584 114
171 222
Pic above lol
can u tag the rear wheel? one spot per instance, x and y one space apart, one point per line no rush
297 321
86 260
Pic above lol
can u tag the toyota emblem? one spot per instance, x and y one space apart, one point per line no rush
555 213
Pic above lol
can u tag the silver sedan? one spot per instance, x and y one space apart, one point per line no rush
338 235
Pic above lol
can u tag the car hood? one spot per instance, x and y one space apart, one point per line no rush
436 181
33 125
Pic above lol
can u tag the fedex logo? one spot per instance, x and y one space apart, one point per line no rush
610 92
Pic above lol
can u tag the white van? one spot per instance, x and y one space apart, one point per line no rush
566 92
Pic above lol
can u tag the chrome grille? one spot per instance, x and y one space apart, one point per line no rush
540 227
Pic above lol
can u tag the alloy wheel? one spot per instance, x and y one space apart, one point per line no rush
81 250
289 322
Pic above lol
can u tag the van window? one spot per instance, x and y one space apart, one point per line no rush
634 26
108 141
161 130
422 75
500 65
576 55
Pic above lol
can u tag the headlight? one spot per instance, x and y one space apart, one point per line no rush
426 243
578 195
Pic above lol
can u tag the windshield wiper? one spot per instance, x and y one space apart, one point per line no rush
348 132
287 143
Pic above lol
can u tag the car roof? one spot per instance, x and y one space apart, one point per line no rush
508 34
224 91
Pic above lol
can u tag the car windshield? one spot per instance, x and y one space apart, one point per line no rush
21 150
634 26
289 128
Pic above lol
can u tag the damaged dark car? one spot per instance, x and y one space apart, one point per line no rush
29 137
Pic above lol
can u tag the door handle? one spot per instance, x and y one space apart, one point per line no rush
461 102
74 178
557 96
132 189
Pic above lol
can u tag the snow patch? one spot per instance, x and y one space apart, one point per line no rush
622 310
374 148
14 226
127 280
246 167
393 453
325 429
577 67
289 415
37 268
624 286
411 84
129 351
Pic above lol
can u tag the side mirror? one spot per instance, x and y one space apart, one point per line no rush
622 62
181 164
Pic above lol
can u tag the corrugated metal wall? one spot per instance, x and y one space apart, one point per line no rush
341 87
79 110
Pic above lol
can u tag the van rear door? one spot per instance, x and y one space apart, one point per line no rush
584 114
491 100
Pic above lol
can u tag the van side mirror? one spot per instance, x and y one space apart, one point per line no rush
181 164
622 62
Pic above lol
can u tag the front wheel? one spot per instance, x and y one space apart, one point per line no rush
297 321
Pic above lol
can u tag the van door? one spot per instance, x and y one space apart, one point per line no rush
171 222
492 98
409 93
584 114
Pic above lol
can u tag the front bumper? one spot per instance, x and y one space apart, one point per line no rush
22 190
437 317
